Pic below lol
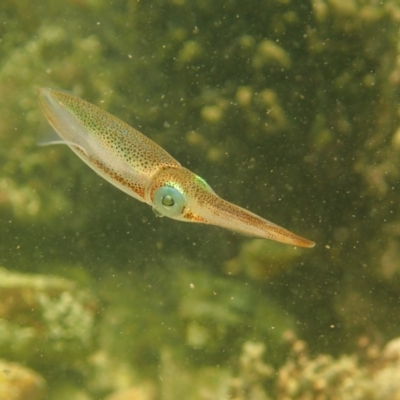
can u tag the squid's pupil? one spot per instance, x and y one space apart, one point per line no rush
168 201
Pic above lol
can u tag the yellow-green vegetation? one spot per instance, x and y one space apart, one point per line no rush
20 383
263 260
44 319
370 374
288 108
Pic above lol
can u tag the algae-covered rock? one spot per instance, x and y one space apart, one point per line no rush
252 373
262 260
220 314
44 319
20 383
144 391
371 373
179 381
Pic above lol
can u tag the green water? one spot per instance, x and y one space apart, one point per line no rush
289 109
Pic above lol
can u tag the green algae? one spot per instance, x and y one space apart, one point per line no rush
18 382
44 319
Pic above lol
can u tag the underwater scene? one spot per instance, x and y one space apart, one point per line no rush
180 264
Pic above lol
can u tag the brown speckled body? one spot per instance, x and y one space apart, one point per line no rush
204 206
115 150
139 167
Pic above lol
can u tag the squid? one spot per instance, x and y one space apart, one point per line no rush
138 166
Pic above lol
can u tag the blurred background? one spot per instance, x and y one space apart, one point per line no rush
290 109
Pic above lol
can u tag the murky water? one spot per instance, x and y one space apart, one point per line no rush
288 110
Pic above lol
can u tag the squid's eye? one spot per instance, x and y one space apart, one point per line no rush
168 201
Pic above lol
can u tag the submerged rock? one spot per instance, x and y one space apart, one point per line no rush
20 383
44 319
370 374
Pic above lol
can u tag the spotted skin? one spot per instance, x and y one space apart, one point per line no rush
138 166
116 151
